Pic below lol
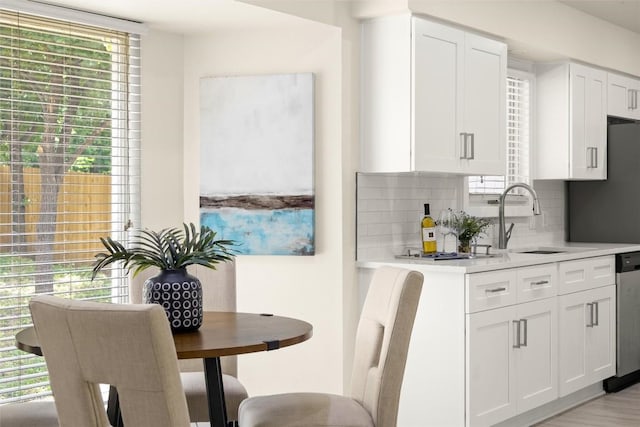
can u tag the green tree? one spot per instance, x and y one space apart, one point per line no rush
55 106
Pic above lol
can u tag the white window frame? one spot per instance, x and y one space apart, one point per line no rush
124 205
517 205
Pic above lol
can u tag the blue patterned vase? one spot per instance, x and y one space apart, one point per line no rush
181 296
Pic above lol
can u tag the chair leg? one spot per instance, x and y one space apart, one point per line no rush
113 408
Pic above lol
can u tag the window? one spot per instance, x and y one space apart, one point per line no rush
69 136
484 190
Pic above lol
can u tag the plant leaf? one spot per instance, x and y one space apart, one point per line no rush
170 248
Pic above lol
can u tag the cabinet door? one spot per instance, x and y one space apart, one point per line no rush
490 365
572 338
536 358
622 96
484 120
586 338
438 56
588 130
601 335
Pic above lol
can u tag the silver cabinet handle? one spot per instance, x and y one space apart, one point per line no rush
463 145
539 282
493 290
635 99
590 306
593 157
516 330
596 322
521 333
630 98
467 145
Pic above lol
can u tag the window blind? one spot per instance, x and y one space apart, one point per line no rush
518 139
69 171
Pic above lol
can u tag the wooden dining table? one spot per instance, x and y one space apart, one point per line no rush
221 334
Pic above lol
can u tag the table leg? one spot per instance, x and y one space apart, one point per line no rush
113 408
215 392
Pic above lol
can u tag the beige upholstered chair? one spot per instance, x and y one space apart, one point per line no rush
382 341
128 346
219 294
37 413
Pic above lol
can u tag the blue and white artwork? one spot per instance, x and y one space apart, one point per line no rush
256 162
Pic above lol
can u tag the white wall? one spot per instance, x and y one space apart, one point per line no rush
308 288
162 149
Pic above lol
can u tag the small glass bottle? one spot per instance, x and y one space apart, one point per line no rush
428 227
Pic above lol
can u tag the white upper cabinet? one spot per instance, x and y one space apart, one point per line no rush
484 106
622 96
437 98
434 98
572 122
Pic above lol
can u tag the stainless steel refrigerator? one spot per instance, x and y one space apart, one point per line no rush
609 211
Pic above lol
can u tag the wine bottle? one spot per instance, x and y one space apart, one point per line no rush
428 226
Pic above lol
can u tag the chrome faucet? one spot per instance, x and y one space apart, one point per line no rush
503 234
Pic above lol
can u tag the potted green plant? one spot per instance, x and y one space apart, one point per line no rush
467 228
171 250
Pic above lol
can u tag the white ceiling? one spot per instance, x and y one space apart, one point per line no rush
190 16
183 16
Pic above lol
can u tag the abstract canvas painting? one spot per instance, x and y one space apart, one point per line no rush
256 162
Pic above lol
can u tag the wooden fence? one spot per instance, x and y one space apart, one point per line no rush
84 213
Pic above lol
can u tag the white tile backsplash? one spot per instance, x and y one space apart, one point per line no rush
390 207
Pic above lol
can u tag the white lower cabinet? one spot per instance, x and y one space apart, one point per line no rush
512 360
586 338
508 344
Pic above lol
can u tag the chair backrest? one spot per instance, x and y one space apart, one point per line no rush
218 294
382 341
128 346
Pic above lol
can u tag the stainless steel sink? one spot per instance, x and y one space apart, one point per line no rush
549 250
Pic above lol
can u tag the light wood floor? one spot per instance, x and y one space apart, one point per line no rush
621 409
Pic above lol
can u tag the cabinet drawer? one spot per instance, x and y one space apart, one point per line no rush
587 273
537 282
490 290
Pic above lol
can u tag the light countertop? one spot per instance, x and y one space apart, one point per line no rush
511 258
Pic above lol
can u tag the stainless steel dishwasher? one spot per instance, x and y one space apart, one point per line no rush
628 322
